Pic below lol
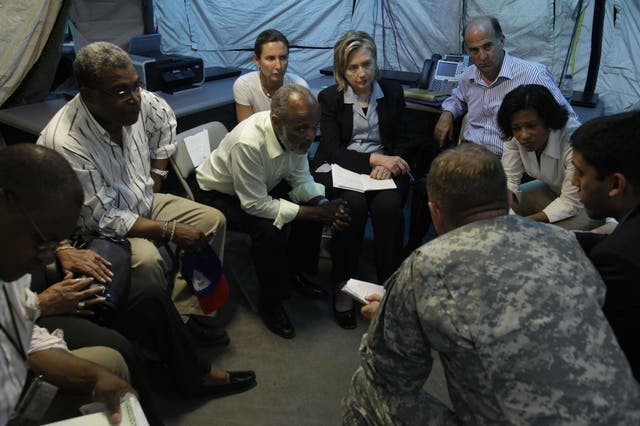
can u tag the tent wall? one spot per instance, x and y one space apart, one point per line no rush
25 27
222 32
407 32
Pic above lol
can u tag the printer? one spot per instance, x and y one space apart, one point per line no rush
159 71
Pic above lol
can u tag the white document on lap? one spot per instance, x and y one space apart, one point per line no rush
346 179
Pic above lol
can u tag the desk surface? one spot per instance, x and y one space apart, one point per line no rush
33 118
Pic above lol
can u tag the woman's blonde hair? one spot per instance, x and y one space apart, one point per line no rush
347 44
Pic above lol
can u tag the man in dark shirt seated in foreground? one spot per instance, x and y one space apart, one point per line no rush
606 154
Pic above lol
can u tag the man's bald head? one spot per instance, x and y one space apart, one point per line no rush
295 114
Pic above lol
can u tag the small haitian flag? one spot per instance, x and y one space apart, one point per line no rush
203 272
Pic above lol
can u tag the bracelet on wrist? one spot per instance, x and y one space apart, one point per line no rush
165 225
64 247
159 172
173 230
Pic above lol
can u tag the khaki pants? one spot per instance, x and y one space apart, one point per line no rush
67 404
536 195
147 264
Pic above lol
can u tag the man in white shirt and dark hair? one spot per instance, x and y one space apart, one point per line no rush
259 177
40 198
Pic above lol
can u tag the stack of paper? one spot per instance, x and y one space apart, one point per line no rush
132 415
361 289
424 95
346 179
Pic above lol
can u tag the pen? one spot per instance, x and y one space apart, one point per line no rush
410 176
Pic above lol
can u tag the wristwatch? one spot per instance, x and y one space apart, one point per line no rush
162 173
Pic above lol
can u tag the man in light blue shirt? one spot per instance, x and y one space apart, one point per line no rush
483 85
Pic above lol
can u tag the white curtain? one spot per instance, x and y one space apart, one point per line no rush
25 26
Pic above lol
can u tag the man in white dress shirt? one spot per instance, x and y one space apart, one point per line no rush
259 177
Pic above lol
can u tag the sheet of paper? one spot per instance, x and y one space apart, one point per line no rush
360 289
132 415
371 184
346 179
324 168
198 147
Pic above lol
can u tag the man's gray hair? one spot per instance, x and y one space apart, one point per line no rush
94 59
280 100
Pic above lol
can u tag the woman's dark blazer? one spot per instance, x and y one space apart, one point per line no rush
336 128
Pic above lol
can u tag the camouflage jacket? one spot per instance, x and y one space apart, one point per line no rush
513 307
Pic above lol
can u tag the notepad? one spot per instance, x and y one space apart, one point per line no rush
346 179
425 95
198 147
132 415
361 289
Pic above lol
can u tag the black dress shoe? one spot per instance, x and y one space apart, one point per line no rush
277 320
207 335
308 289
345 319
239 381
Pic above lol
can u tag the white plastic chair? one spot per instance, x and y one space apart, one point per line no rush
181 161
183 167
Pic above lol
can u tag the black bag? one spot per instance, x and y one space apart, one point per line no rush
116 292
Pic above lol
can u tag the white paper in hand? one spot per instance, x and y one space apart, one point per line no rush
95 414
361 289
198 147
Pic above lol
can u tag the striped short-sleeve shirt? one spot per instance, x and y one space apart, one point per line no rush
117 182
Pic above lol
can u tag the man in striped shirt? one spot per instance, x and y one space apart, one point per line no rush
118 138
483 85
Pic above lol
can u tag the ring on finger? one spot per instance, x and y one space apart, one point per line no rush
81 304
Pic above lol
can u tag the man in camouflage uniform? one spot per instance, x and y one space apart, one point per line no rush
512 307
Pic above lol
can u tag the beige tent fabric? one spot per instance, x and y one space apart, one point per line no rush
24 29
115 21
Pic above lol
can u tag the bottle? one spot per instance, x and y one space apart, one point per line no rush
566 87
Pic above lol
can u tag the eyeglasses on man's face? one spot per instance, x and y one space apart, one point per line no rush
123 93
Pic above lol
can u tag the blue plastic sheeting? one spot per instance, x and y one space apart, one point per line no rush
222 32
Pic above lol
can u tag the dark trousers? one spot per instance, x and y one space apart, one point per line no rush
149 318
385 208
277 253
420 218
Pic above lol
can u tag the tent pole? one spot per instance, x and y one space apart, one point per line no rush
147 17
588 97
